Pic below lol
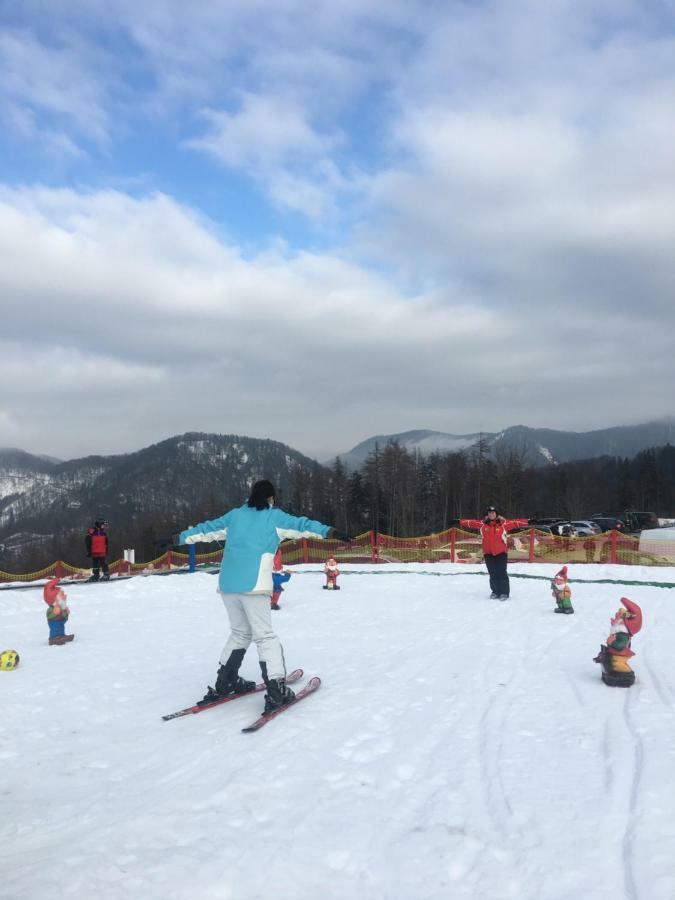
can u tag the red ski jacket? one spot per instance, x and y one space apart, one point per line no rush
97 542
493 532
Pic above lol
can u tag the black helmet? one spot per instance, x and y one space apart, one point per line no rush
490 509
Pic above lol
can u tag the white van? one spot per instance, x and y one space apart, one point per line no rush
659 543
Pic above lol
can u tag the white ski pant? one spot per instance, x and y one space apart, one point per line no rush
251 620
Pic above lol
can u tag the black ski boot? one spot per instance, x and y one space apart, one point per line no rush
223 689
228 681
278 694
241 686
210 696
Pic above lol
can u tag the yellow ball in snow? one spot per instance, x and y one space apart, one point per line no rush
9 659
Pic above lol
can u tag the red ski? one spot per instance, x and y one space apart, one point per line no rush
312 685
296 675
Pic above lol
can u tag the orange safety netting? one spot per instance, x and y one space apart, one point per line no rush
453 545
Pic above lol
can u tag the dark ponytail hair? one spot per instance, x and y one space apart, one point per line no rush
260 494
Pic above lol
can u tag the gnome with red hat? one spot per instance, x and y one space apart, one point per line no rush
279 577
57 612
562 593
614 655
331 572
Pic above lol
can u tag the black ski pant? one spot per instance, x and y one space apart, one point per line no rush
98 563
499 580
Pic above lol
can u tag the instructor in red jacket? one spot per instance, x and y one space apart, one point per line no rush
493 529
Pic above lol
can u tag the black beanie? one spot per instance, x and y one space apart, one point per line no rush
260 494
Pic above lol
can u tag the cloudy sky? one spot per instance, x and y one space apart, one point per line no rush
319 220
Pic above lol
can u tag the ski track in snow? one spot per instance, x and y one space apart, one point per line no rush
458 748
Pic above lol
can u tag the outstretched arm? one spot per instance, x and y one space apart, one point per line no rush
514 523
211 530
294 527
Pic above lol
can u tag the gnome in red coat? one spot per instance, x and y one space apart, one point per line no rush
57 612
614 655
331 572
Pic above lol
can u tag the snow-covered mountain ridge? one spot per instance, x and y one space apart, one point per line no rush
157 484
537 446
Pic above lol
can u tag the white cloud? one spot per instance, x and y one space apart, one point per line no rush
271 139
509 169
535 163
45 89
265 133
143 293
136 320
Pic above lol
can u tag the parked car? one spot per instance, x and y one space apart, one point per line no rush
641 521
564 529
609 523
632 520
586 527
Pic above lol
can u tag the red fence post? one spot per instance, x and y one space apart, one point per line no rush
373 546
305 551
612 546
59 571
531 554
453 541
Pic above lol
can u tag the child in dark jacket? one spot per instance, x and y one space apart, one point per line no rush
57 613
279 577
96 543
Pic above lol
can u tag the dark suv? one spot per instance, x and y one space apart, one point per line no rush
644 520
610 523
632 521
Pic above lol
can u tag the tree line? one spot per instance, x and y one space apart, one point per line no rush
404 494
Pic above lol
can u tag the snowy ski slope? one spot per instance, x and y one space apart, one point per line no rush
459 748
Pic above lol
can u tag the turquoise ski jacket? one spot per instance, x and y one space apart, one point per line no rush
252 537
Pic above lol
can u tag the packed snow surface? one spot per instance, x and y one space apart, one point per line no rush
459 749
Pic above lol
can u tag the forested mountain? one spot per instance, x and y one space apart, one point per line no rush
148 495
535 446
401 493
422 441
144 495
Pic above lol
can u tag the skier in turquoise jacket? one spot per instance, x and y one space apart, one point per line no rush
252 533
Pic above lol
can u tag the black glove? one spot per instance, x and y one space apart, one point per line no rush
453 523
336 535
